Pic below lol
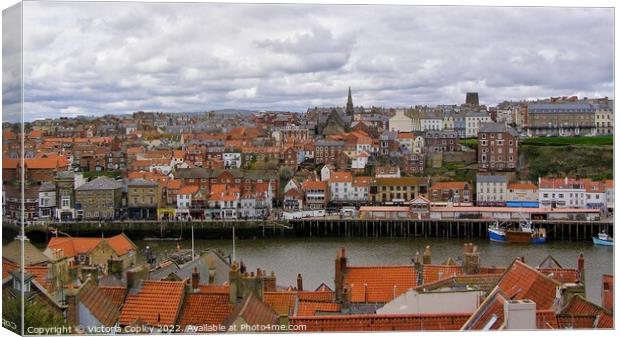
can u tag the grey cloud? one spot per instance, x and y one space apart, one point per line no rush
101 58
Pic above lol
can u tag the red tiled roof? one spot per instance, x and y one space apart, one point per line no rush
561 275
340 177
99 304
522 281
115 294
452 321
316 296
310 308
493 306
157 303
434 272
213 289
445 185
313 184
74 246
191 189
254 312
281 302
522 186
379 284
200 308
580 313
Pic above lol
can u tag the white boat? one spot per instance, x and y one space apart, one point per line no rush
603 239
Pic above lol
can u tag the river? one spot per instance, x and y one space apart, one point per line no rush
314 257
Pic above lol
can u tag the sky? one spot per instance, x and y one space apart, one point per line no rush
96 58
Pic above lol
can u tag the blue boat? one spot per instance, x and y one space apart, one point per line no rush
603 239
524 233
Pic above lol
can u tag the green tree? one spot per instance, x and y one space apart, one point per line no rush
35 315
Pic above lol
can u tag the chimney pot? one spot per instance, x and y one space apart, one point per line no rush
300 283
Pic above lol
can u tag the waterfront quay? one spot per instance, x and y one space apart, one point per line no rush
311 227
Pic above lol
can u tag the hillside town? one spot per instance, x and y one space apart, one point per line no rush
337 162
349 161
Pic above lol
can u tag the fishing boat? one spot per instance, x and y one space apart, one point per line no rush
603 239
523 233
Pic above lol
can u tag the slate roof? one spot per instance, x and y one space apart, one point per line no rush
32 255
100 183
157 303
497 128
560 108
487 178
141 182
184 271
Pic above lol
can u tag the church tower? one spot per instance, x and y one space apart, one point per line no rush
349 110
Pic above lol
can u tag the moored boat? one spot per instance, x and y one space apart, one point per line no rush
603 239
524 233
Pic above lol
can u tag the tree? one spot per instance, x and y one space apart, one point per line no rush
285 173
36 315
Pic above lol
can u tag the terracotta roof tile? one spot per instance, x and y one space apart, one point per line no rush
282 303
74 246
157 303
115 294
522 281
435 272
383 283
202 308
99 304
580 313
310 308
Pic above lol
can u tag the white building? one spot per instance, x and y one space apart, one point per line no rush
340 184
491 190
400 122
561 193
232 160
326 172
473 121
438 301
604 119
47 200
431 122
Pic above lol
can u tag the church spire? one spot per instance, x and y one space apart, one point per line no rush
349 109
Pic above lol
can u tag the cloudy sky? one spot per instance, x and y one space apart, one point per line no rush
97 58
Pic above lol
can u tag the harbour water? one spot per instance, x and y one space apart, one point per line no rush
314 257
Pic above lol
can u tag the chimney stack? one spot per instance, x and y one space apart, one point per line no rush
300 283
581 268
270 281
341 269
471 259
426 258
195 278
233 280
520 315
